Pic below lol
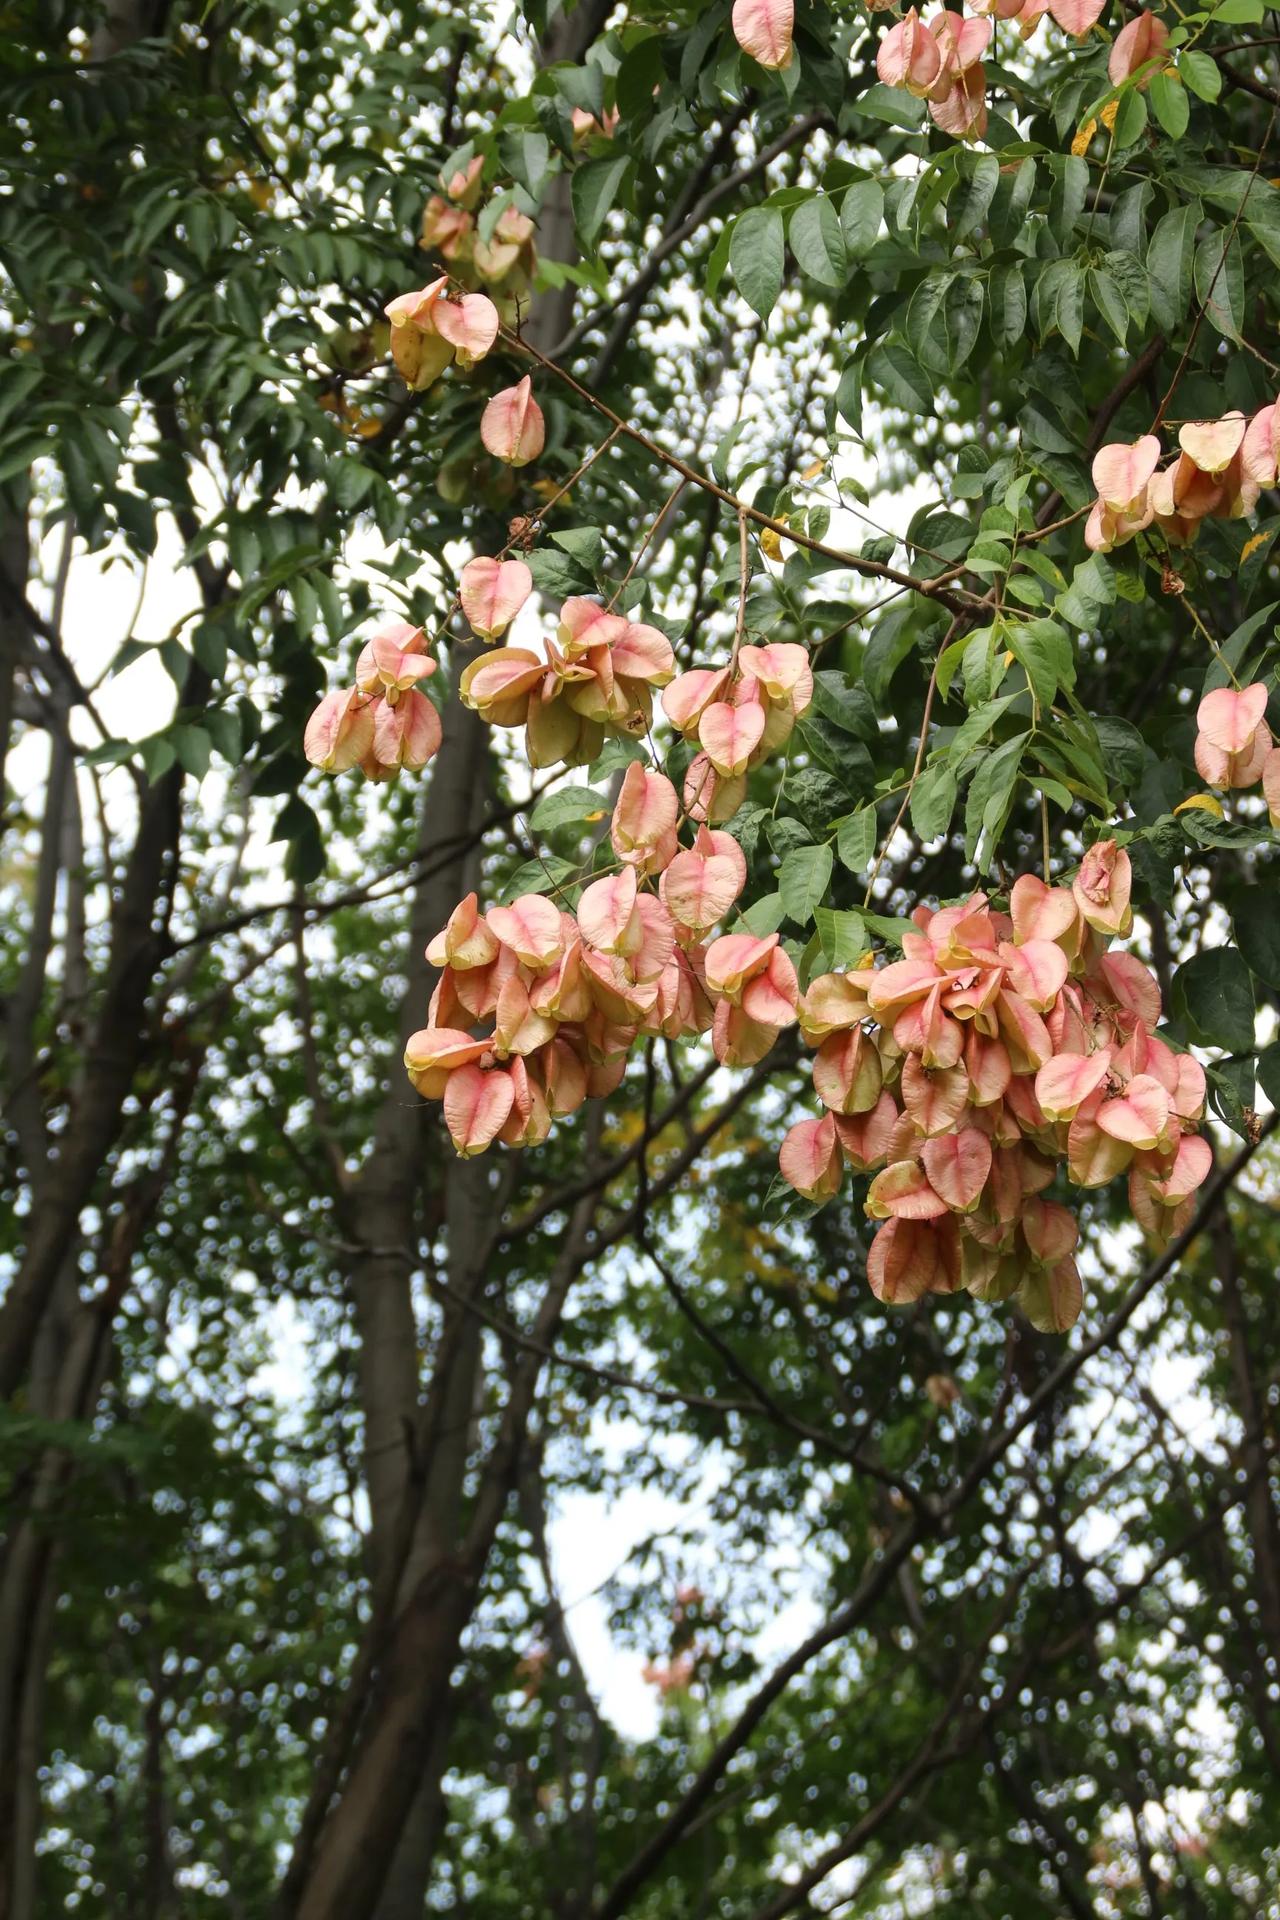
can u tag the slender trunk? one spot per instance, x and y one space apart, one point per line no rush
70 1362
1259 1503
412 1697
15 565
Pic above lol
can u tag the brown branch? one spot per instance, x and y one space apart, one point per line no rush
873 569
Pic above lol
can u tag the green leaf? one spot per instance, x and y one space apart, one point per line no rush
980 722
818 242
888 647
1110 302
846 704
1092 588
1169 264
1201 72
1262 217
1235 648
526 154
962 319
843 935
933 800
856 839
1219 277
1269 1072
547 875
861 211
193 748
1066 203
1213 995
1131 119
1009 208
1169 104
557 574
1044 650
803 879
757 254
210 647
1008 306
595 187
719 261
979 178
616 753
1060 301
904 380
887 926
567 805
990 797
583 544
765 915
1257 928
925 306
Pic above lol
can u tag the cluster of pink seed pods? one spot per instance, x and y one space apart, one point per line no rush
1234 748
999 1051
563 996
1220 470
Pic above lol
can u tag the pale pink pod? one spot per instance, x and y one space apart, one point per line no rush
730 735
1139 1116
1229 717
1271 784
1213 444
466 940
865 1137
699 888
909 1258
470 325
847 1072
499 685
1102 887
734 959
898 984
909 56
340 732
1122 469
1132 985
476 1104
607 913
532 928
935 1097
1064 1083
810 1159
763 28
512 427
432 1054
492 593
407 734
903 1192
769 997
1037 971
1052 1297
1076 16
1142 40
642 653
1050 1231
958 1165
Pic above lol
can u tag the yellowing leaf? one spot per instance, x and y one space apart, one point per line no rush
1205 801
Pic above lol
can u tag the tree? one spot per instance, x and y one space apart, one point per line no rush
879 416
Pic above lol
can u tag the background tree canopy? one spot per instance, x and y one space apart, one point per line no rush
295 1400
